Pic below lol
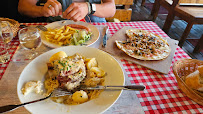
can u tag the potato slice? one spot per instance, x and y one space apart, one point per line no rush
57 56
99 72
91 63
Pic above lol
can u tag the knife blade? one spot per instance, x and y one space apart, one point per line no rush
106 28
111 87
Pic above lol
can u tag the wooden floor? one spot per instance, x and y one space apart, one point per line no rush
143 14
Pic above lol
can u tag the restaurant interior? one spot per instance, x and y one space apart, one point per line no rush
119 77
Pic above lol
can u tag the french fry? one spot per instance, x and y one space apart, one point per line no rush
60 37
66 30
59 31
69 32
56 36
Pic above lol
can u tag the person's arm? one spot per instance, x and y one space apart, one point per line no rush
77 11
106 9
29 8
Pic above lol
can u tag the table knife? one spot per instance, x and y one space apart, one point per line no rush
113 87
106 28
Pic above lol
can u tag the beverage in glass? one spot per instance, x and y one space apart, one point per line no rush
30 39
6 35
4 55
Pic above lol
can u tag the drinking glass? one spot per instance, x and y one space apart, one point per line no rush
30 40
6 35
4 55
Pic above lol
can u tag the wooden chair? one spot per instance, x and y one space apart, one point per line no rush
192 15
199 45
167 4
123 10
142 3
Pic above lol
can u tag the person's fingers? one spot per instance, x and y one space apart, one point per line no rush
76 11
46 11
54 6
68 10
73 13
57 6
76 17
53 10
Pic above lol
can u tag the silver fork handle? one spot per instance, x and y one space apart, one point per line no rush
13 107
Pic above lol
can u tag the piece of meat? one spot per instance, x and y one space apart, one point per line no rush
75 26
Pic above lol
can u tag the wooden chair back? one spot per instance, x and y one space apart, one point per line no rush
123 10
191 1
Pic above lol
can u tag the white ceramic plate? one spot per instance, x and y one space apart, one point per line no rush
37 68
58 24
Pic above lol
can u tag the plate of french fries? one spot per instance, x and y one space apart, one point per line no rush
68 33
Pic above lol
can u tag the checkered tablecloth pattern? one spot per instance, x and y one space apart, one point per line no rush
162 94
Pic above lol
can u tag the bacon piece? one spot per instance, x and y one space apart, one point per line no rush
63 80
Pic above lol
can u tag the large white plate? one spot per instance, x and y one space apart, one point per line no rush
58 24
37 68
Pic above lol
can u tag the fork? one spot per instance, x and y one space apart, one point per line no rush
41 27
56 93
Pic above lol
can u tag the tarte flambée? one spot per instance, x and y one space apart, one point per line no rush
144 45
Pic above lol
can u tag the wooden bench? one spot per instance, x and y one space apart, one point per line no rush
123 10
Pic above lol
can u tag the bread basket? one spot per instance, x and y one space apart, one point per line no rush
13 24
181 69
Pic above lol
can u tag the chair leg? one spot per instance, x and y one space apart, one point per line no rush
185 34
169 20
199 45
155 10
135 1
143 2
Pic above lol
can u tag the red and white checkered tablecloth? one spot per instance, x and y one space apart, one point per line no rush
162 94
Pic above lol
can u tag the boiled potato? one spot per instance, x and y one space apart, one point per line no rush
99 72
92 82
91 63
57 56
87 59
80 96
92 74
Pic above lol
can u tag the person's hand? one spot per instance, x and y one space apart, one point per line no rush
76 11
52 8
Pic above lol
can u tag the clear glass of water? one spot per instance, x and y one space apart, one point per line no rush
30 40
6 35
